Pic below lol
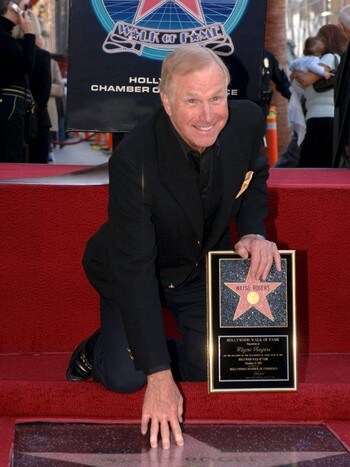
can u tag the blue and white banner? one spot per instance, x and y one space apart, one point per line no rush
116 48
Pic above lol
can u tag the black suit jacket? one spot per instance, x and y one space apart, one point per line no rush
341 109
153 237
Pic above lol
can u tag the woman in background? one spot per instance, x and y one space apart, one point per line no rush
316 149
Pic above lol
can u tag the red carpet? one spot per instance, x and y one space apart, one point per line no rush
43 287
7 430
15 171
47 305
34 385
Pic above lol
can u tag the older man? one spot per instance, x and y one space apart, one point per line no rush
176 183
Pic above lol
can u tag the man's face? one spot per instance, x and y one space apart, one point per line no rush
197 106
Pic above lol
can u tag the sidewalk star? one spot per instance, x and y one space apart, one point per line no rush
253 294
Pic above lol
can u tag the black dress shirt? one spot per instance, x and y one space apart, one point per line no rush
206 172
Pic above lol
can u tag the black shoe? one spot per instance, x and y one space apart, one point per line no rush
80 364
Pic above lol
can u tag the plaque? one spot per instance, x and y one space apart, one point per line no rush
251 325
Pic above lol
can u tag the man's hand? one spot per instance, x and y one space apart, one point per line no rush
162 405
26 23
262 253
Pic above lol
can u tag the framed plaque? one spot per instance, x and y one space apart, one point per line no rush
251 325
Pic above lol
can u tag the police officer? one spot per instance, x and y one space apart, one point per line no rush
271 70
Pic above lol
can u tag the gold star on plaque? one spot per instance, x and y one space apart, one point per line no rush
253 294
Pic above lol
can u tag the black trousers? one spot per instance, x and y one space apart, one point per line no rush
38 148
316 149
112 365
12 120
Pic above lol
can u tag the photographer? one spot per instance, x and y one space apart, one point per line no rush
15 63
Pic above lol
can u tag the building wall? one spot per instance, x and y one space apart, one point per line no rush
53 15
306 17
275 41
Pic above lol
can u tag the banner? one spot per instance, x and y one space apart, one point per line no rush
116 48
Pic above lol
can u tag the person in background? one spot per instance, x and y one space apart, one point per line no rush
171 200
57 90
272 71
309 61
40 86
314 48
341 135
15 63
316 149
61 112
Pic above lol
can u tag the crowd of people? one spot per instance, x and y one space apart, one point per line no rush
28 75
318 118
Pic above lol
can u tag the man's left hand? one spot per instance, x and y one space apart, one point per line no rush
262 253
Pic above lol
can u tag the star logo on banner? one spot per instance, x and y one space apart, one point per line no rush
192 7
253 294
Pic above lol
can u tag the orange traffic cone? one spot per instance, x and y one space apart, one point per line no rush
271 136
109 142
98 141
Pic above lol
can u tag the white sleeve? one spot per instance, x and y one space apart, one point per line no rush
329 60
315 67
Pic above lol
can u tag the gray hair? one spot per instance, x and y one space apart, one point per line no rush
187 59
3 6
344 17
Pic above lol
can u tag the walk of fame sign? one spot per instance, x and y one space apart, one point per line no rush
116 49
251 325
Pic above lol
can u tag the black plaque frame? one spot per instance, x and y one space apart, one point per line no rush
251 347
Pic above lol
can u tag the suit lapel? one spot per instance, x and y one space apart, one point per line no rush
176 174
232 162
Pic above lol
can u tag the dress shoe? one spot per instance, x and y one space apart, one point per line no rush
80 364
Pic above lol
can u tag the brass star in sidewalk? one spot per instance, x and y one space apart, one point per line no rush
253 294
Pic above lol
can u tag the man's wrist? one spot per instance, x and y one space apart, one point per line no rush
160 376
259 236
